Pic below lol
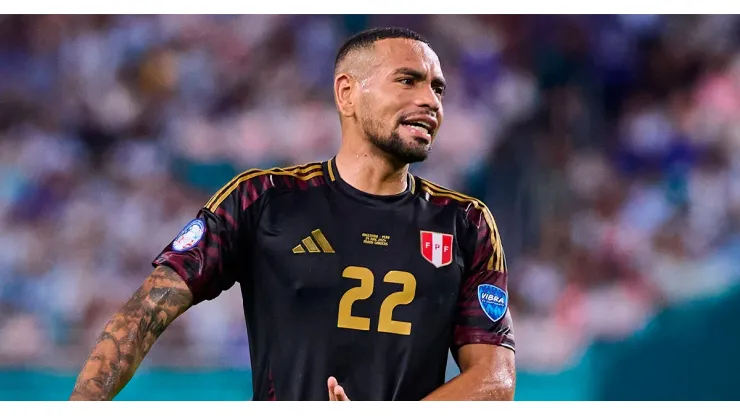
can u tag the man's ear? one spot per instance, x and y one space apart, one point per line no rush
344 86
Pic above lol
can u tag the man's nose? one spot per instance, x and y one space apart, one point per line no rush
428 98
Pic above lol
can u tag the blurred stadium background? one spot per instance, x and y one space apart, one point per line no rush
607 147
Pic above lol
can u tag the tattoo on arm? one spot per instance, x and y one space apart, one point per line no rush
130 334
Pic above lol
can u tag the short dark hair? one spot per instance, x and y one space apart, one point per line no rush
368 37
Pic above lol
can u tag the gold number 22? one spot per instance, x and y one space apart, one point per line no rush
362 292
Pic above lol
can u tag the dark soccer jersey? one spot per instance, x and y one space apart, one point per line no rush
373 290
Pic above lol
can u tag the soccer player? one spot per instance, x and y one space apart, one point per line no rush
356 276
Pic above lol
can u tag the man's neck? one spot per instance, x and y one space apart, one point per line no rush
369 170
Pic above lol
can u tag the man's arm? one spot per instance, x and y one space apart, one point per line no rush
487 372
483 334
130 334
197 265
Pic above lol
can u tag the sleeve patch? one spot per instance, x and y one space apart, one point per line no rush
190 236
493 301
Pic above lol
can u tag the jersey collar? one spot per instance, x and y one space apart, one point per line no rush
379 201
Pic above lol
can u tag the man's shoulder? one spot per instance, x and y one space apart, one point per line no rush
477 216
440 195
473 209
253 184
287 176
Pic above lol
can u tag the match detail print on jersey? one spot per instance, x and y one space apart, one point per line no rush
436 248
493 300
190 236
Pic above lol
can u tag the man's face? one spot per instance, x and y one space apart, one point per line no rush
400 102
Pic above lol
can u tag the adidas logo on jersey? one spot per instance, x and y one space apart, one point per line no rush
315 243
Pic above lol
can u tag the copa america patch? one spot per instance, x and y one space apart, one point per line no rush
493 300
190 235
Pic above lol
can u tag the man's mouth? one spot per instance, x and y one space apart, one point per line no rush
422 125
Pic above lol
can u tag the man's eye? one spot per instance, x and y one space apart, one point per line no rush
407 81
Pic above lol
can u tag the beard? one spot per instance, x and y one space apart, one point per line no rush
395 146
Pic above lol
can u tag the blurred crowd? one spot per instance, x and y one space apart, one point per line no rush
607 147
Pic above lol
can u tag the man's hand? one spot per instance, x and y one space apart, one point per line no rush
336 392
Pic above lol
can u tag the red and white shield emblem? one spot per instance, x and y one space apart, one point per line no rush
436 248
